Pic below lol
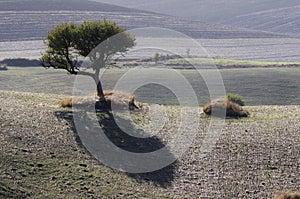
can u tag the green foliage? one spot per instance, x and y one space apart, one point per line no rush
69 42
60 52
236 98
112 38
156 57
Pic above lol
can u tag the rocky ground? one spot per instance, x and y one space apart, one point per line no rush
42 156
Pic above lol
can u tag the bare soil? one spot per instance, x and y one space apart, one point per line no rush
42 156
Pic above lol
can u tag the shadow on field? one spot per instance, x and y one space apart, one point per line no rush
115 134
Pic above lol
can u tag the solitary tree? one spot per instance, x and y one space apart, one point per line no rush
156 57
67 43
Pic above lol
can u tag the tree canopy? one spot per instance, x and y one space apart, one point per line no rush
69 43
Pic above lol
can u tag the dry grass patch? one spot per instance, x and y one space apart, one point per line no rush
217 108
66 102
288 195
113 98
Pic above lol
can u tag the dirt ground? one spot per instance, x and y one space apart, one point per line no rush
42 156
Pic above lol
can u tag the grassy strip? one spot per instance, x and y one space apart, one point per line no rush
228 62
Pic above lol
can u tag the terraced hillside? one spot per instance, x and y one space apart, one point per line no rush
31 19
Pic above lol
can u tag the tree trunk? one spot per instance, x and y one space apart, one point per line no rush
100 93
100 90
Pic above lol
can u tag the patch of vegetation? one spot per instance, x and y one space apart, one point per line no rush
219 62
236 98
224 107
115 99
155 57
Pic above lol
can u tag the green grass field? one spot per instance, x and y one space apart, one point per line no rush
259 86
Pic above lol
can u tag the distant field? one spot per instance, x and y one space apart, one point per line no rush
267 49
259 86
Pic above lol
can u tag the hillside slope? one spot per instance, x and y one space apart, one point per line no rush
32 19
284 20
229 12
52 5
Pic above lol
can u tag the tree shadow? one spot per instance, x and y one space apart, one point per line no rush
109 125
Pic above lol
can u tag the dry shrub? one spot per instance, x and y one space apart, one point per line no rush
119 98
288 195
66 102
116 98
220 105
